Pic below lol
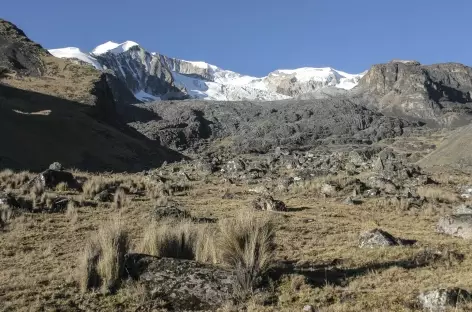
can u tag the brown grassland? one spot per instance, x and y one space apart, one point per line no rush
42 254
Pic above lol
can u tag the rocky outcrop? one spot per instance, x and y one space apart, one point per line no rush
439 94
141 71
183 285
262 126
443 299
18 53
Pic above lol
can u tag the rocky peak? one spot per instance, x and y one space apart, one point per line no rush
439 93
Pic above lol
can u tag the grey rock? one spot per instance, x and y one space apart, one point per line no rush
268 203
456 225
379 238
261 189
104 196
308 308
184 285
56 166
328 190
462 209
160 213
236 165
440 300
439 94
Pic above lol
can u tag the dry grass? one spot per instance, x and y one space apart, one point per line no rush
72 213
5 215
120 200
62 187
11 180
246 243
98 184
321 233
171 240
103 261
438 194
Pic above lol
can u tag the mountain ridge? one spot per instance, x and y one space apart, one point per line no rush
200 80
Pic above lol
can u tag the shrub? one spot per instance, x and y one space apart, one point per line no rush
103 261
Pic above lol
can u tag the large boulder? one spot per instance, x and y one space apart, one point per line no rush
440 300
50 178
183 285
268 203
459 225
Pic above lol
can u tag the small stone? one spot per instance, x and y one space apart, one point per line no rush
160 213
308 308
439 300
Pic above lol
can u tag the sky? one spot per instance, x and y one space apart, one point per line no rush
256 37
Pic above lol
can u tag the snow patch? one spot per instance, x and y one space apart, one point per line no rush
72 53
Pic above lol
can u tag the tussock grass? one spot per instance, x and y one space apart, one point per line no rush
6 213
103 260
71 212
62 187
120 200
246 243
171 240
11 180
98 184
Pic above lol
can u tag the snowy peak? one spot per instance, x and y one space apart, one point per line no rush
113 47
152 76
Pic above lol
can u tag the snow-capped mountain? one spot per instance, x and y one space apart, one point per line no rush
153 76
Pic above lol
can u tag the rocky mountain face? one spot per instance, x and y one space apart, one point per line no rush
153 76
439 94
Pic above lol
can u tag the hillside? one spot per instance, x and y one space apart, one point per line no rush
55 110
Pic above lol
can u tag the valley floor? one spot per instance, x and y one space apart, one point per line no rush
318 259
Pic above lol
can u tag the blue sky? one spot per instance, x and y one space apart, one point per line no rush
258 36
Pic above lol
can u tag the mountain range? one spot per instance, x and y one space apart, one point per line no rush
123 108
152 76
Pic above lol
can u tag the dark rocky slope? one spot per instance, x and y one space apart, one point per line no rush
57 110
261 126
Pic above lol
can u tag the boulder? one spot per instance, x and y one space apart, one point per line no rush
50 178
56 166
380 238
462 209
328 190
459 225
267 203
184 285
104 196
440 300
168 212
